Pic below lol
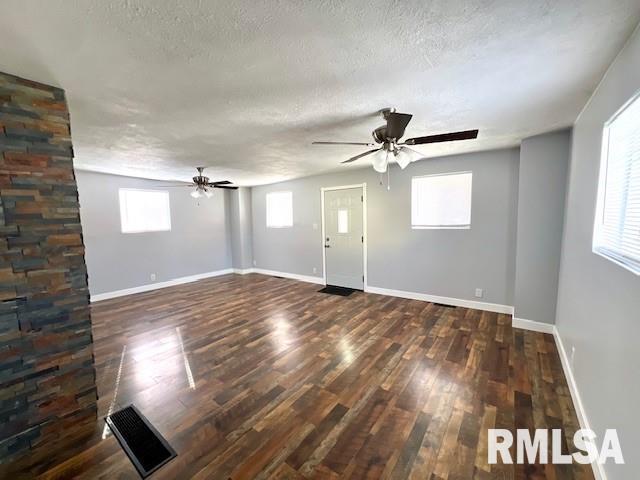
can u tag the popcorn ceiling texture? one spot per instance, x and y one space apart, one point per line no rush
47 380
243 86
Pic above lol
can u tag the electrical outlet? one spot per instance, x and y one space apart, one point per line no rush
573 354
315 270
255 264
478 293
315 226
152 276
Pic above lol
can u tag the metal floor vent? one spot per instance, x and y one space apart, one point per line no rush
142 443
444 305
335 290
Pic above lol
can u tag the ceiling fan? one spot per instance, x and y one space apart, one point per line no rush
203 186
388 136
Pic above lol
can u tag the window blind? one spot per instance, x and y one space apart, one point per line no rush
441 201
144 211
279 209
617 225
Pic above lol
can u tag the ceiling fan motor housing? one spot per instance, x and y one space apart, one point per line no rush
200 180
380 134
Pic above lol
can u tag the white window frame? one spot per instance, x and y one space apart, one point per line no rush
441 227
267 216
631 264
123 211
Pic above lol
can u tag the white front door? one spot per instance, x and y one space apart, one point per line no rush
344 237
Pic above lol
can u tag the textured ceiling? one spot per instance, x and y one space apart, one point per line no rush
157 87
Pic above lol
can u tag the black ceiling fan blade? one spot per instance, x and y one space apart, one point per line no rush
365 144
224 186
397 123
221 182
353 159
443 137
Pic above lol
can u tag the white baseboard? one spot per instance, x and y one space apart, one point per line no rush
292 276
532 325
274 273
243 271
458 302
598 469
155 286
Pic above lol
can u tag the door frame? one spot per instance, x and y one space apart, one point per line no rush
364 228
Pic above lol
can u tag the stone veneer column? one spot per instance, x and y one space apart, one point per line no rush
47 376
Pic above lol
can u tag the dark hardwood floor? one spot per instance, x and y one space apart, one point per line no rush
260 377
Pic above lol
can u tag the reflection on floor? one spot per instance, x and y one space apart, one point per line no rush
259 377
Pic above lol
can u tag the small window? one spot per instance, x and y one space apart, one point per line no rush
441 201
616 233
144 211
279 209
343 221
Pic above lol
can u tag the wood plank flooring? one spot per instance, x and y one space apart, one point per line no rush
261 377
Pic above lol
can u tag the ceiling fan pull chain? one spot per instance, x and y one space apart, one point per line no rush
388 177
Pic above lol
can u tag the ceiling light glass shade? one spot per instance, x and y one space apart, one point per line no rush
380 161
402 158
208 193
411 154
196 193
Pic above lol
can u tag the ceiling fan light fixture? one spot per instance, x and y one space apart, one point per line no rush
196 193
380 161
402 158
413 154
208 193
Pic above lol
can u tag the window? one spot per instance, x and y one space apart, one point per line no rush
343 221
441 201
279 209
616 233
144 211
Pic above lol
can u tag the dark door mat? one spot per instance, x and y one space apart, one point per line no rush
142 443
335 290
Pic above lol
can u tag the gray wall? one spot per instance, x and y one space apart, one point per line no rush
598 301
240 224
439 262
197 242
541 195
